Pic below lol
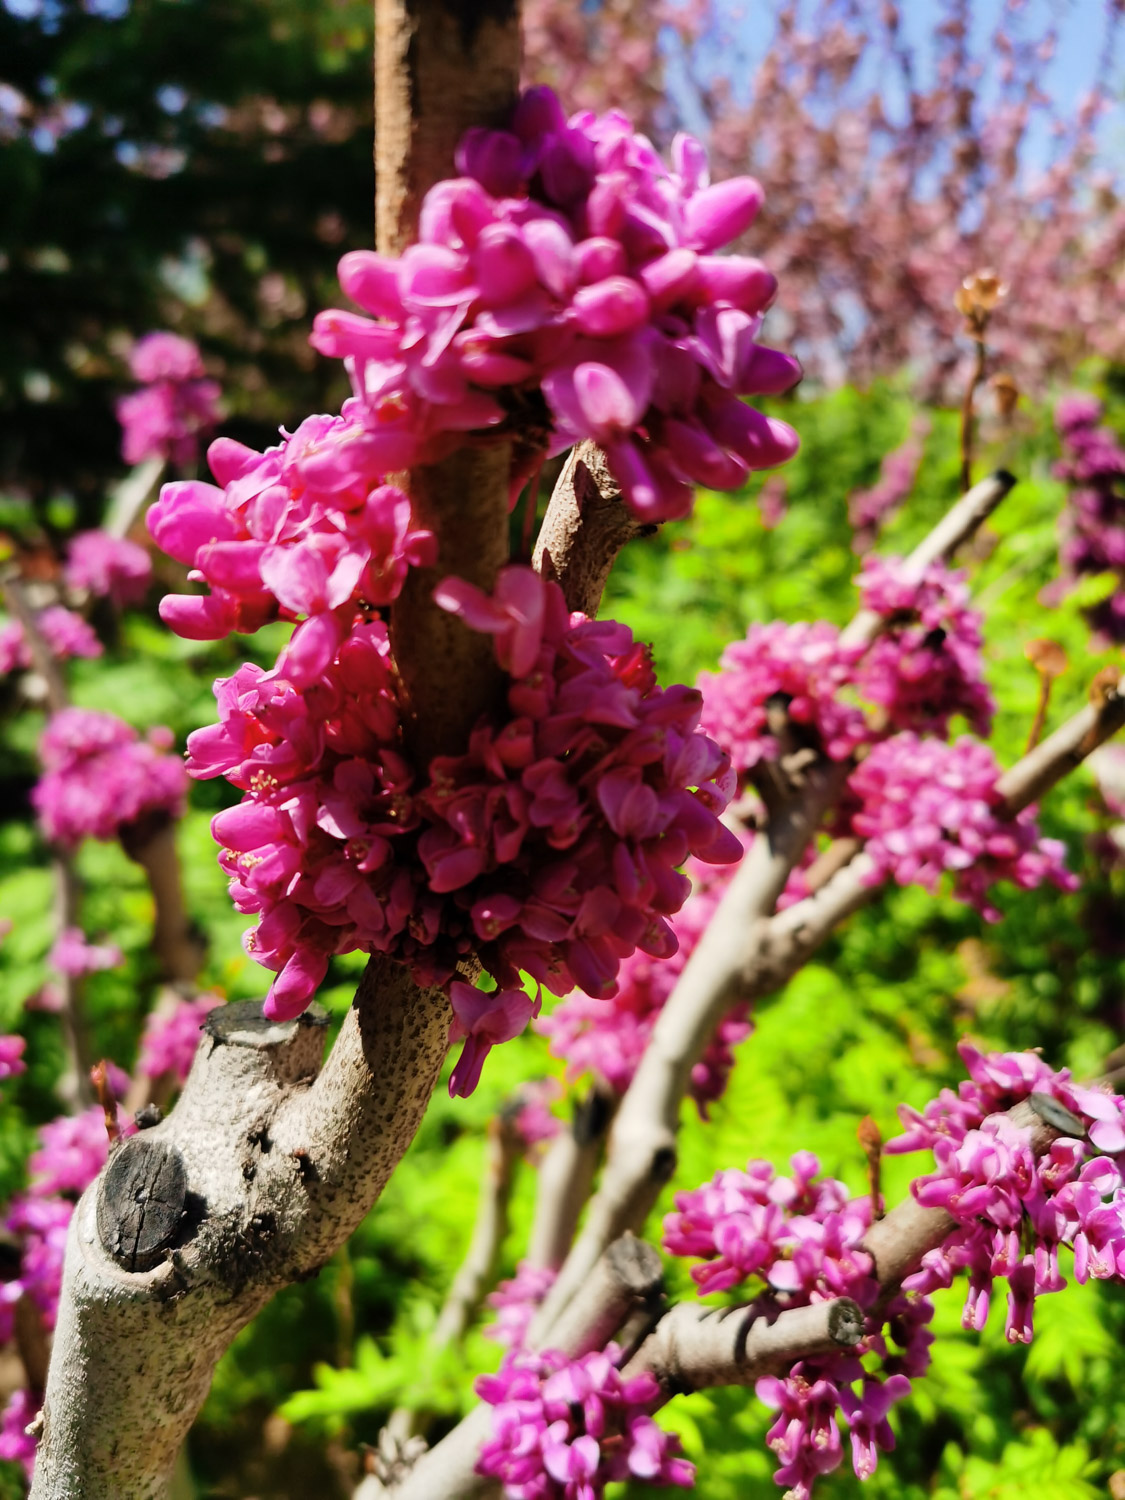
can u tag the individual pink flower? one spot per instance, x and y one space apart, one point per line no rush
65 634
483 1020
16 1446
516 1300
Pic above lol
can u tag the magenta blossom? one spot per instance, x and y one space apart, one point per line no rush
171 1037
928 807
563 1429
16 1445
483 1020
100 777
73 955
11 1057
516 1301
108 567
174 408
306 531
65 634
568 260
551 846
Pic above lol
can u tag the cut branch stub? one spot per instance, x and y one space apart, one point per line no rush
141 1202
299 1043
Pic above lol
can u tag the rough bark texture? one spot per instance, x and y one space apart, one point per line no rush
441 67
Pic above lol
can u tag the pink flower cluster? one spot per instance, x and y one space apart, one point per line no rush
869 510
109 567
65 634
72 1151
562 1429
800 669
800 1240
923 667
99 776
798 1235
551 846
175 406
1093 526
516 1300
1015 1211
171 1037
71 954
928 807
926 665
304 531
11 1057
608 1037
568 265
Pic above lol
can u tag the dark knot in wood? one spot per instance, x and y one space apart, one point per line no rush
141 1202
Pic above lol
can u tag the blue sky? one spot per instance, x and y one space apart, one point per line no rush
1080 25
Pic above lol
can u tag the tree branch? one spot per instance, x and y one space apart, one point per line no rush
151 843
694 1347
566 1175
442 66
627 1276
585 527
276 1166
748 951
691 1346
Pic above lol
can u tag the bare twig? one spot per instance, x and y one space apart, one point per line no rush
77 1086
585 527
695 1347
967 414
502 1152
130 498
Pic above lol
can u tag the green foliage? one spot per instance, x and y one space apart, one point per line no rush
872 1022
